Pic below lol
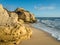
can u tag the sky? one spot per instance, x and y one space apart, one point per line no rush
40 8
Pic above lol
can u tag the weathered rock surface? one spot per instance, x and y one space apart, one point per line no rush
25 15
14 35
3 16
12 29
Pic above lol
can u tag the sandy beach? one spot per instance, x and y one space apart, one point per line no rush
40 37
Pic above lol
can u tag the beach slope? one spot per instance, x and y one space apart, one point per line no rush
40 37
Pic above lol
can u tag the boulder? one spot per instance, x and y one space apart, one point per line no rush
14 35
25 15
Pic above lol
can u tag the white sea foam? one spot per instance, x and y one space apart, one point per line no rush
54 32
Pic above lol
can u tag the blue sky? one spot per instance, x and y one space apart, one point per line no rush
41 8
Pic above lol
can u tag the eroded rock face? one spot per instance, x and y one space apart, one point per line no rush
14 35
33 19
21 21
13 19
3 16
12 30
25 15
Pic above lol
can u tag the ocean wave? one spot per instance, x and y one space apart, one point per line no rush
53 31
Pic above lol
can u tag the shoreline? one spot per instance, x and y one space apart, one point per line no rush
50 31
40 37
43 31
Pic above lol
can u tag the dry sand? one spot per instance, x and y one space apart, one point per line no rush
40 37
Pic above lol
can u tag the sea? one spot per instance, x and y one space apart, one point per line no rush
50 25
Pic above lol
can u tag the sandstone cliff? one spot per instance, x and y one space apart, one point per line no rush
12 29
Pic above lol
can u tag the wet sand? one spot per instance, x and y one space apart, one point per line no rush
40 37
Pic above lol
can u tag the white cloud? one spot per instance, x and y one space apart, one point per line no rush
44 7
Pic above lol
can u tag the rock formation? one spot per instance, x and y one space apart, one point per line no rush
3 16
12 29
25 15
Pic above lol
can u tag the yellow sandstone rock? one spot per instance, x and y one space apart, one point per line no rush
14 35
21 21
25 15
12 29
1 8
